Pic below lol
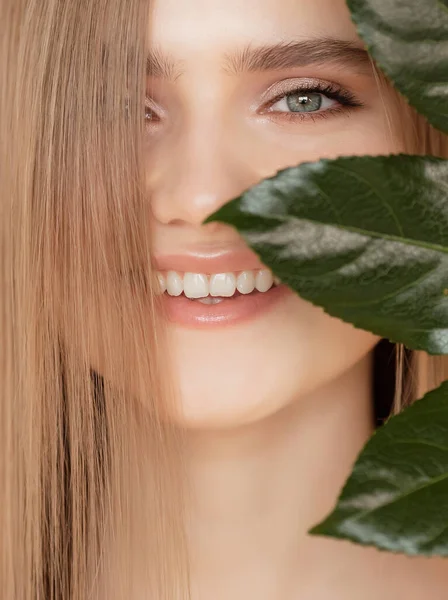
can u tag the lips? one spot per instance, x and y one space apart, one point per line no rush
218 261
235 311
232 311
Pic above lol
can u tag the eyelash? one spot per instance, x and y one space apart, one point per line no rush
345 99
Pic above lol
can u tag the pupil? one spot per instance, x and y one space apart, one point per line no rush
304 102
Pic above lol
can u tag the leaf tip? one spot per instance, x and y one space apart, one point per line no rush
321 528
225 212
215 216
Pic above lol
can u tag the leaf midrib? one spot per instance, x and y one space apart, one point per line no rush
433 481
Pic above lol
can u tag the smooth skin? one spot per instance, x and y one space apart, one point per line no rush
278 408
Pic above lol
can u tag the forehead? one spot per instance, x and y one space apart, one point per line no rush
190 27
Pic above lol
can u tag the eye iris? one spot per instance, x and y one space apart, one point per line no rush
304 102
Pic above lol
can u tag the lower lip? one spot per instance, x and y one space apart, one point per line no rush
238 309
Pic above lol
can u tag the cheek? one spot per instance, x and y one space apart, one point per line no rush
356 134
232 378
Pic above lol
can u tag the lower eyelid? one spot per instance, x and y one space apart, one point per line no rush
298 117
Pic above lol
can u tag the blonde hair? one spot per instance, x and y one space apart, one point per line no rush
88 469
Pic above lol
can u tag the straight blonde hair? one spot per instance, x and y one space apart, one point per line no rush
91 477
89 471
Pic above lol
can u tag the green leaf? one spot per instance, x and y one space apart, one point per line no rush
366 238
409 41
397 495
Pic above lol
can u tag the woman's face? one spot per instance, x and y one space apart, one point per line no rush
237 91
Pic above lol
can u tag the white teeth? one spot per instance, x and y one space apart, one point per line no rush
245 282
174 283
196 285
264 280
223 284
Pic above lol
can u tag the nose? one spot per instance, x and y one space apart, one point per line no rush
193 175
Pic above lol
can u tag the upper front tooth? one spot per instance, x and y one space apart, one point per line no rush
223 284
196 285
174 283
245 282
264 280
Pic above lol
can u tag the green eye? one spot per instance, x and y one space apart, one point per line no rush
301 101
304 102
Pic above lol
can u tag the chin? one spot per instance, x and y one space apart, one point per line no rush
229 409
245 374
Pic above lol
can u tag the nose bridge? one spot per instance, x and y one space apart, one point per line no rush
198 172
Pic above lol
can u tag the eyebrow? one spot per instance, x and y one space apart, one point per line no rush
283 55
162 65
287 55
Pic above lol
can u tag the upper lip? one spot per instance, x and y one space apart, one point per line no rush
207 263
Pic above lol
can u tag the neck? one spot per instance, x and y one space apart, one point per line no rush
259 488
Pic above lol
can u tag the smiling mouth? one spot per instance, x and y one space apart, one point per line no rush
213 289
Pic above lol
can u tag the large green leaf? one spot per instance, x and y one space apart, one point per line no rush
365 237
409 41
397 495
